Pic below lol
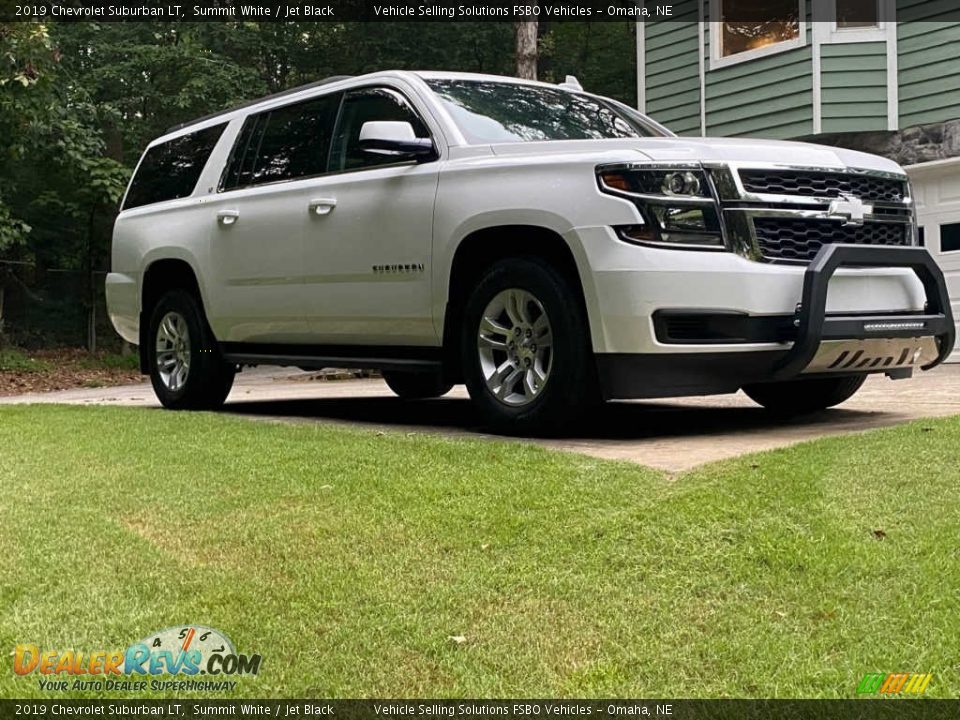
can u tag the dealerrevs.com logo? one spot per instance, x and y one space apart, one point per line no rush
894 683
172 659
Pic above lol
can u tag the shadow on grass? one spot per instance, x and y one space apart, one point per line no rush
612 421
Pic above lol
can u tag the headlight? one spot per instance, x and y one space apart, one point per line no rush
675 203
665 183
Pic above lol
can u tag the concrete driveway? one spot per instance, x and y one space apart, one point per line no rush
672 435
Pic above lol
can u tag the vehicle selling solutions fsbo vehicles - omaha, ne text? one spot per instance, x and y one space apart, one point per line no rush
547 247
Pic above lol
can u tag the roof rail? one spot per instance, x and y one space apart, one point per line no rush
241 106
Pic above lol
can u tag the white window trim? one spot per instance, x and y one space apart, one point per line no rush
837 36
831 34
716 40
641 29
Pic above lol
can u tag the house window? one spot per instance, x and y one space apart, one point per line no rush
749 25
852 21
950 237
856 14
745 29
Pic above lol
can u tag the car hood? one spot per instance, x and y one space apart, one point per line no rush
707 150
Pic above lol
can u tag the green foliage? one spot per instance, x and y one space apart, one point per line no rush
600 54
26 56
110 361
13 360
13 231
25 52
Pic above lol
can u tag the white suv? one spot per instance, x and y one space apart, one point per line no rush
547 247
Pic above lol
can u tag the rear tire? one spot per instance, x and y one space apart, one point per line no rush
796 397
417 385
184 361
525 348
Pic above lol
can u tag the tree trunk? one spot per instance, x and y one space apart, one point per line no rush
527 49
91 282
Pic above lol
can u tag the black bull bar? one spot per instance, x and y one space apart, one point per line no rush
814 325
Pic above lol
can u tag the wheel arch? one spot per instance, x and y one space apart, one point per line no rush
159 276
483 247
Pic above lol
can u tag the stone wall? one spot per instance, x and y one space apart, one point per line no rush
909 146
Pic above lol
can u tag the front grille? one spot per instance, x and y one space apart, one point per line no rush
807 183
799 240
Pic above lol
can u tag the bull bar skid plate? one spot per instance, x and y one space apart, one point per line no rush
814 326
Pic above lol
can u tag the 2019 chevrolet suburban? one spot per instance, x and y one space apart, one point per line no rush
548 247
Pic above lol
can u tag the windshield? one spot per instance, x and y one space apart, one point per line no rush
497 112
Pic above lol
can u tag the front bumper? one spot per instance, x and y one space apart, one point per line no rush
627 287
811 342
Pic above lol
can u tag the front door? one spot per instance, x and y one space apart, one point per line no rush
367 239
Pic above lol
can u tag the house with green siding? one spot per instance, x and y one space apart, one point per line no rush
799 76
881 76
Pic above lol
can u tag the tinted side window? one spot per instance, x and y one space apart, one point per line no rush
365 105
244 153
171 170
287 143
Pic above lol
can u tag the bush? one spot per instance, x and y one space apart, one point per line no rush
13 360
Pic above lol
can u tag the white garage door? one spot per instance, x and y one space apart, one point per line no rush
936 187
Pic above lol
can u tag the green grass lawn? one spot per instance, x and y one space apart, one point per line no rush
348 559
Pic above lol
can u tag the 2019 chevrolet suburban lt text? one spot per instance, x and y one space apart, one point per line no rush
547 247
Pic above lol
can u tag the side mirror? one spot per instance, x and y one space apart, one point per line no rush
395 138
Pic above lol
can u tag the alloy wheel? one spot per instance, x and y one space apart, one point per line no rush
515 347
173 351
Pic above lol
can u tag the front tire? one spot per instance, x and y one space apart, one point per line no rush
417 385
525 347
186 368
796 397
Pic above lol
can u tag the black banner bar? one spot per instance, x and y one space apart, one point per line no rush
860 709
431 11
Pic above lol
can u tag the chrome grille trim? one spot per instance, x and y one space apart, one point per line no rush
731 188
740 207
821 184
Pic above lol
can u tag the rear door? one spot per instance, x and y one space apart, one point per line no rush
258 222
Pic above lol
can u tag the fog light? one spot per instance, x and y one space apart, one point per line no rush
637 233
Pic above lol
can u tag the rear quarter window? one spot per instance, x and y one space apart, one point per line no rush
170 170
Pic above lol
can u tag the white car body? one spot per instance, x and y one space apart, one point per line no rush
364 259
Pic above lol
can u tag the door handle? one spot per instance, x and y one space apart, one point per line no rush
322 206
227 217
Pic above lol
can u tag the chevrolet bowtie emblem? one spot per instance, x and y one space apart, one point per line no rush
850 209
